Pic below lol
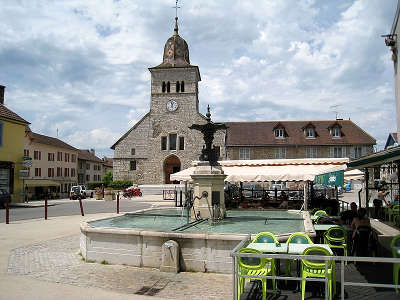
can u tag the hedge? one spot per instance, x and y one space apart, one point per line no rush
121 184
93 185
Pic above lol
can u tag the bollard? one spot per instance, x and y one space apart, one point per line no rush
80 204
118 203
45 208
7 212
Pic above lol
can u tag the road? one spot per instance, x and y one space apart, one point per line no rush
66 207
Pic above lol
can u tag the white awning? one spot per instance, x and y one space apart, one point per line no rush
272 169
354 174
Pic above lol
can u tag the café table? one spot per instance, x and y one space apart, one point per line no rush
322 228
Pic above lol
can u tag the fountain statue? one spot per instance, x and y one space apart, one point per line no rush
208 177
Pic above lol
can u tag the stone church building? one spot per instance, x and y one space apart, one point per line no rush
161 142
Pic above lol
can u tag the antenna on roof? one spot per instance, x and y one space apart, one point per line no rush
57 132
335 109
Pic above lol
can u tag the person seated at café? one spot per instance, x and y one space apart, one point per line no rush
348 215
360 220
285 200
382 194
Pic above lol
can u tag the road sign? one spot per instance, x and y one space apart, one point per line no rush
27 162
23 173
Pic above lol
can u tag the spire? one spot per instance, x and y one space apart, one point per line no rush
176 17
176 26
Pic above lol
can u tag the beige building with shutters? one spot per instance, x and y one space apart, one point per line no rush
54 166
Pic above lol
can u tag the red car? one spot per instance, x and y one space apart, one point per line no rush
131 191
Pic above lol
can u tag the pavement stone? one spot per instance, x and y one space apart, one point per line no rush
58 260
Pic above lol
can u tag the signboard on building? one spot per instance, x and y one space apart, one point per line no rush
23 173
27 162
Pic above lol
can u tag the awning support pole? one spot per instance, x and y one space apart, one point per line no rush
366 190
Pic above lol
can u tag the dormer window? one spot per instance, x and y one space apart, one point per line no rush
310 133
336 132
279 133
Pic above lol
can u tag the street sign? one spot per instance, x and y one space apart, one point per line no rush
23 173
27 162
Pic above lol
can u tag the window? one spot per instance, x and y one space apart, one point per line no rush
87 166
311 153
244 153
66 172
66 157
88 177
133 151
72 172
168 87
59 172
73 158
181 143
280 153
172 141
59 156
133 165
279 133
50 172
336 132
26 152
163 143
38 172
163 87
178 87
357 152
182 86
310 133
338 152
37 155
50 156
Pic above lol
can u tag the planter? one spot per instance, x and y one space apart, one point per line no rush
109 195
98 196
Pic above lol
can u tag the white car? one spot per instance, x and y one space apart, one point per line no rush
79 190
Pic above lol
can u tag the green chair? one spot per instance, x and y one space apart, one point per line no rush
336 237
296 238
265 237
393 211
254 266
316 269
319 213
395 246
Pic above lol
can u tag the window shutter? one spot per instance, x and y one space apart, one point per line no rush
331 152
344 151
363 150
352 152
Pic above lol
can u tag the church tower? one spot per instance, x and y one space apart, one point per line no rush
174 83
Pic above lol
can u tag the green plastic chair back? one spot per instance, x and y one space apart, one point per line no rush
265 237
250 263
320 213
299 238
395 243
336 234
315 264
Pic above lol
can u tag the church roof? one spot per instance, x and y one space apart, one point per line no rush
262 133
176 52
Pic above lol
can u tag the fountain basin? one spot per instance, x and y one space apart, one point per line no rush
203 248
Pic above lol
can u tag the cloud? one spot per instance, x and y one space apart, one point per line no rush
81 67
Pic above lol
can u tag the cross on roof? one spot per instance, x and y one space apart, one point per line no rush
176 8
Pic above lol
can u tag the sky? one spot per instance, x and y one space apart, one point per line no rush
78 69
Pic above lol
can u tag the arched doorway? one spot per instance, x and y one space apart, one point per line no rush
172 164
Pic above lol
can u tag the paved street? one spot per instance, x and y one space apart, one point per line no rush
66 207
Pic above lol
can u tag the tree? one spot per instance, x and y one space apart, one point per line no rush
108 178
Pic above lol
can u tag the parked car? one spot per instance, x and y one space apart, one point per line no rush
254 191
4 196
79 190
278 186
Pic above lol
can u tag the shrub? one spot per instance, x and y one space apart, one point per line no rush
120 184
93 185
108 178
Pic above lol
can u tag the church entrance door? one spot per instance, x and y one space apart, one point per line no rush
172 164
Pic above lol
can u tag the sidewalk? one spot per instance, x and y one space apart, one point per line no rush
39 260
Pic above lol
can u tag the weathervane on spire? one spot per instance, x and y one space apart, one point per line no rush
176 9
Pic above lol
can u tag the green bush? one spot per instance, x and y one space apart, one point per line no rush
93 185
108 178
120 184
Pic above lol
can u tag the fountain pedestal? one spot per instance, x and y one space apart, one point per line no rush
208 182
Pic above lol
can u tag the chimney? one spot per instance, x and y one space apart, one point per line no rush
92 151
2 89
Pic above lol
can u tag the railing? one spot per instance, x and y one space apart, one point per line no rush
342 259
342 205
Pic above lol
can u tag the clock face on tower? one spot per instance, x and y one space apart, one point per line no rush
172 105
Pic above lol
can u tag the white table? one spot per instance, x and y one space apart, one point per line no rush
299 248
268 247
